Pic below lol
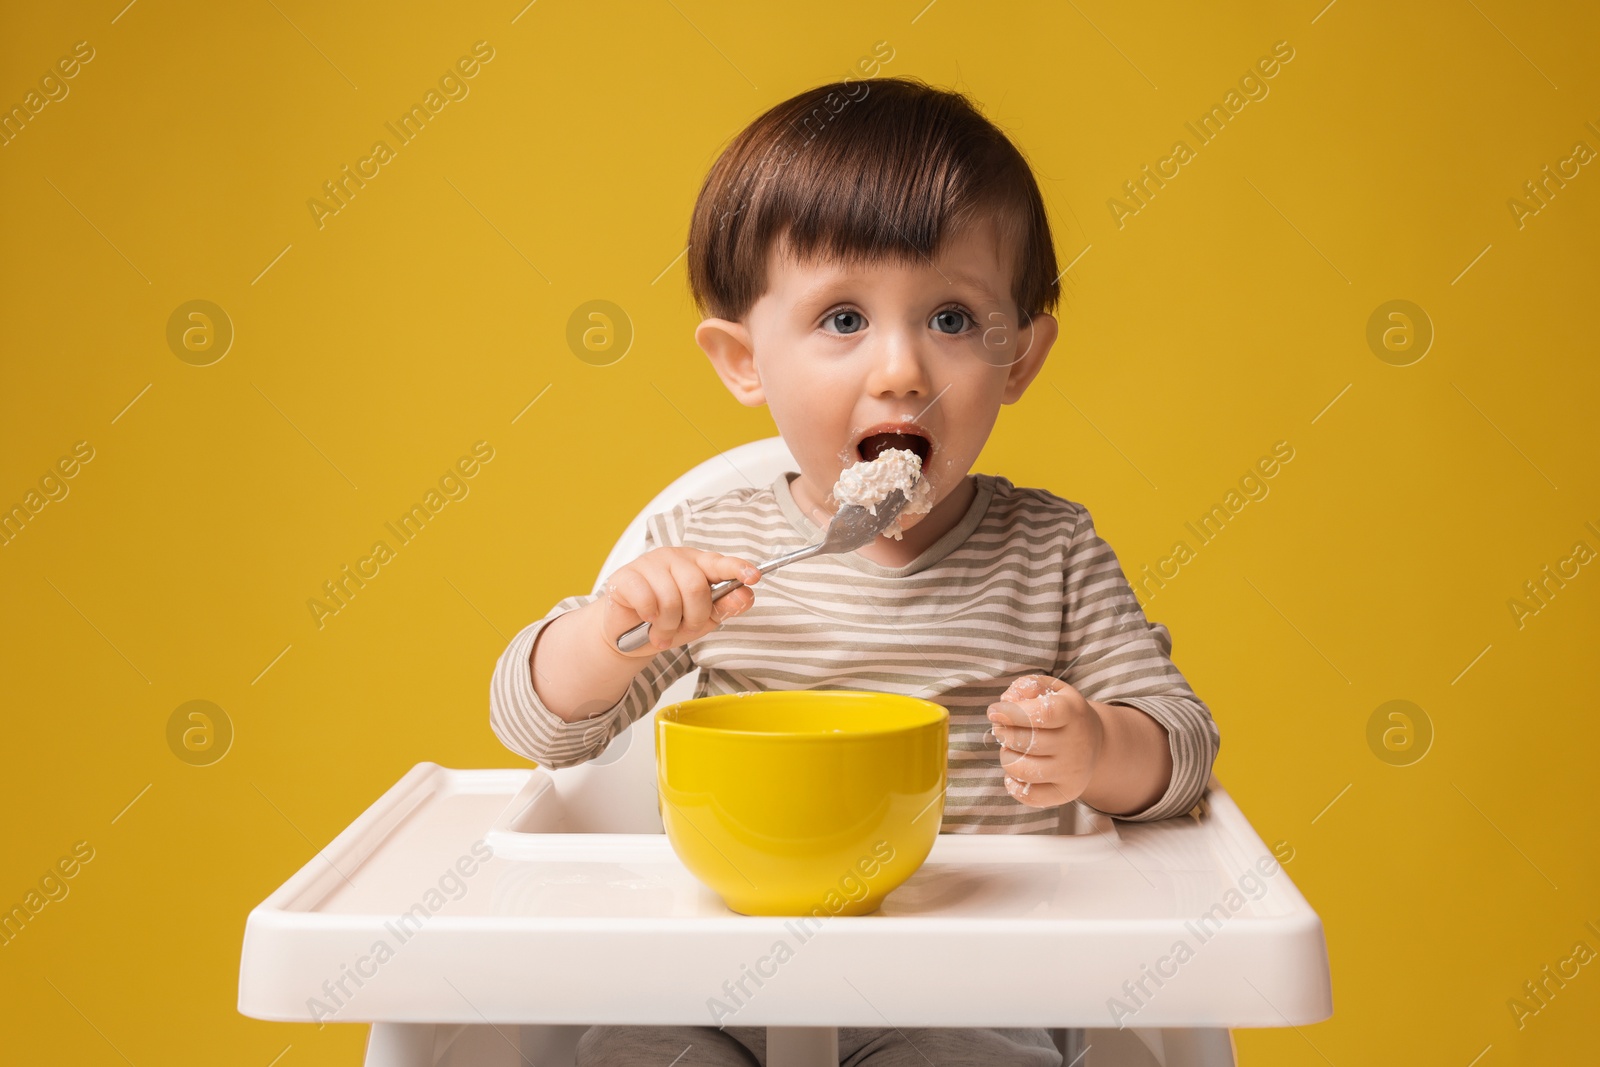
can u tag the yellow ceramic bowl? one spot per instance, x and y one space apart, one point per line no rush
816 801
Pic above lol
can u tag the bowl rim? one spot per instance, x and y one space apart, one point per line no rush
664 721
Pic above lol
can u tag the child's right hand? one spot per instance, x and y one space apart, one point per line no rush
670 588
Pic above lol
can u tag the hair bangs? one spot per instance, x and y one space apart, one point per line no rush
885 170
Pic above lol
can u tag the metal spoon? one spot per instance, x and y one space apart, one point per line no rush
851 528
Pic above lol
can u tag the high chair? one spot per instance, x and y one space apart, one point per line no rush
518 907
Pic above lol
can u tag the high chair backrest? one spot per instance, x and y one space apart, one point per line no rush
753 465
616 791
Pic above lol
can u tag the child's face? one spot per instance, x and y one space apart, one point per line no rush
842 352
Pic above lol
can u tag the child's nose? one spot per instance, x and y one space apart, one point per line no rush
898 368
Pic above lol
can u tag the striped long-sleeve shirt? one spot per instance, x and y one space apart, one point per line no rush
1021 585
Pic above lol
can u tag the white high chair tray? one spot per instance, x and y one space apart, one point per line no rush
455 898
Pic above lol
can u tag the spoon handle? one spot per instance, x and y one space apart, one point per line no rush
636 637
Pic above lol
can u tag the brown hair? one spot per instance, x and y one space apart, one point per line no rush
864 170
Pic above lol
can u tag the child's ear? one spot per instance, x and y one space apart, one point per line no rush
1036 339
727 344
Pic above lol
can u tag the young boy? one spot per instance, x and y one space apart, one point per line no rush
876 267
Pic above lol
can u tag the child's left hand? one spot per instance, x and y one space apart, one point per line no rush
1050 738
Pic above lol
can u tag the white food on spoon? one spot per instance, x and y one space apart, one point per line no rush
869 482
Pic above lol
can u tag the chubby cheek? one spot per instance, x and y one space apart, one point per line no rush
819 441
941 472
813 414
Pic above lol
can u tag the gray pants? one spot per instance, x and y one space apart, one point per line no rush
746 1046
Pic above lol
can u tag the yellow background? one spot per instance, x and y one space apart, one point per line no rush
369 355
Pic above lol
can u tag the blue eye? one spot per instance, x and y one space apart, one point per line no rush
941 319
848 321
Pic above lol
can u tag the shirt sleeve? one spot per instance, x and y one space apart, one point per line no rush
1112 654
527 727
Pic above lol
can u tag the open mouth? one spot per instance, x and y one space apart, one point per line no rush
874 445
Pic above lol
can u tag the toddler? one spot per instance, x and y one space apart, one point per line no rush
876 267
